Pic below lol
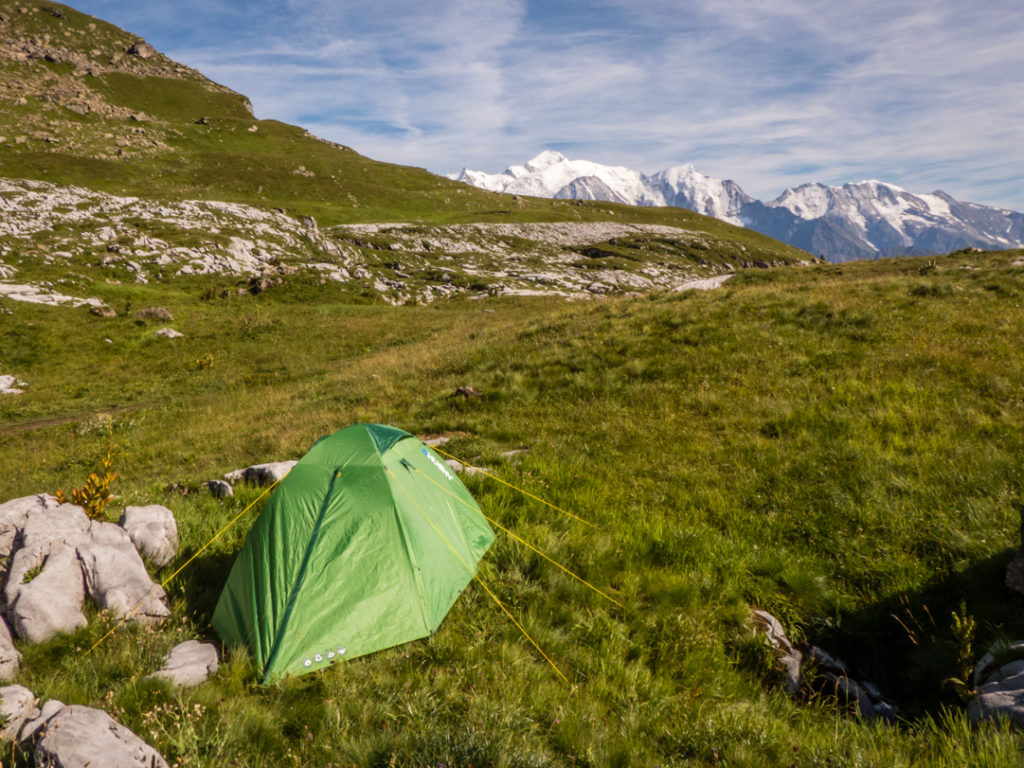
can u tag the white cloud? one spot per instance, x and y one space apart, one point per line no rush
922 93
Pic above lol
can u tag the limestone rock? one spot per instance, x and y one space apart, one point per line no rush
32 726
79 736
58 555
789 657
15 512
220 488
116 576
17 705
50 602
850 692
990 665
155 313
142 50
999 685
10 659
154 532
170 333
261 474
189 663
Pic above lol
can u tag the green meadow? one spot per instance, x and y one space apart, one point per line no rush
839 445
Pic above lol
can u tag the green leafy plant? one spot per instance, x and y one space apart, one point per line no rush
964 627
95 494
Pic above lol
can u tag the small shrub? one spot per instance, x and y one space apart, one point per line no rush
94 496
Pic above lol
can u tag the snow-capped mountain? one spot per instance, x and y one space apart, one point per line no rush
869 219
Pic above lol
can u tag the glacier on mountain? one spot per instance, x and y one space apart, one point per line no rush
868 219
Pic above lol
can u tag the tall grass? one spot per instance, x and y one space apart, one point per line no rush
832 444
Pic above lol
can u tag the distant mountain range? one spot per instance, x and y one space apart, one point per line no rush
866 220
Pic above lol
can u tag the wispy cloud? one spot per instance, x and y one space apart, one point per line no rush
923 93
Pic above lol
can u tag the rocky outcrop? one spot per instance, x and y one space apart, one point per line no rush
10 658
189 663
9 385
789 657
999 685
57 557
17 705
261 474
401 262
77 736
812 672
220 489
154 532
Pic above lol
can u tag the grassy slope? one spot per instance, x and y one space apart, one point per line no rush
275 166
840 445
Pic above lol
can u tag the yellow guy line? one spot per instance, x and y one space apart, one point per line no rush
168 580
478 579
520 539
525 493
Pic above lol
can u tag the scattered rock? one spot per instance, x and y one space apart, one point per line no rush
467 392
48 710
57 555
116 576
15 512
78 736
789 658
7 386
103 311
999 685
17 705
49 602
261 474
851 693
434 440
154 532
142 50
170 333
189 663
459 468
514 454
220 488
155 313
10 659
811 671
261 283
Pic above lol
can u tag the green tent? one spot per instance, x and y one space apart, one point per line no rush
365 544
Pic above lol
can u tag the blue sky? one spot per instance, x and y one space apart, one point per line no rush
926 94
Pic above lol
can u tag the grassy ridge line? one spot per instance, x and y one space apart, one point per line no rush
164 153
836 444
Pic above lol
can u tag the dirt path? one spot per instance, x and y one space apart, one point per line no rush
50 421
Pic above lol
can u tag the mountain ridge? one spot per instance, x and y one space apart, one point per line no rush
867 219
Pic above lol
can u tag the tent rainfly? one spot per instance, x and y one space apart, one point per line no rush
365 544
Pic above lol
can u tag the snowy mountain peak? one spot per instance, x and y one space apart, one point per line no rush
545 159
858 220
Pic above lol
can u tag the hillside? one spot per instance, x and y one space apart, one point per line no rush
837 444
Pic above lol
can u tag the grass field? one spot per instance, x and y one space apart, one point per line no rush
839 445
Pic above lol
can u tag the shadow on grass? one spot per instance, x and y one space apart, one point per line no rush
907 643
200 585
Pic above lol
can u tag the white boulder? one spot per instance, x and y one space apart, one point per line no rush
154 532
261 474
17 705
77 736
10 659
189 663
